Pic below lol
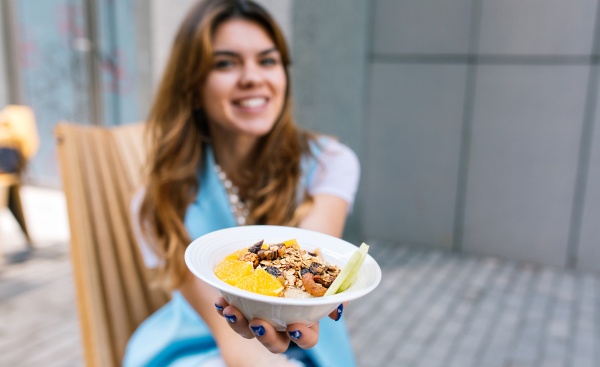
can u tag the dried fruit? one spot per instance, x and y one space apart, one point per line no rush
291 243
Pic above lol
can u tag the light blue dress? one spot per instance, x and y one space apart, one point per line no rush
176 336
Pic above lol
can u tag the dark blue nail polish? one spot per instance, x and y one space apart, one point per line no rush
296 334
218 307
258 330
230 318
340 310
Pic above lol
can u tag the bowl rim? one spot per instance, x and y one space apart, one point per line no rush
195 248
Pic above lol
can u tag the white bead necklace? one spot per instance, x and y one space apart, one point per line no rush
238 207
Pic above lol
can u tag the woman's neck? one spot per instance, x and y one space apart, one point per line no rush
233 154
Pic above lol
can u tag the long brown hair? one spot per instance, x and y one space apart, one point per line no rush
179 132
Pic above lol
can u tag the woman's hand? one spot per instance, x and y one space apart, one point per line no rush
275 341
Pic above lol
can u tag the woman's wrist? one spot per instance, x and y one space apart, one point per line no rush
270 359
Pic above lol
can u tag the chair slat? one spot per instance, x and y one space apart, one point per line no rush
103 235
117 200
86 272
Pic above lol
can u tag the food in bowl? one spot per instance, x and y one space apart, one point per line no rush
204 254
281 270
286 270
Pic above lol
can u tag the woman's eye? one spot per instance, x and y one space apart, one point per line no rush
223 64
269 61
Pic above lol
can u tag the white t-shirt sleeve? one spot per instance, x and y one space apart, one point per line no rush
337 173
148 255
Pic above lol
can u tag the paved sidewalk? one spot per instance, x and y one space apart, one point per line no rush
432 308
437 308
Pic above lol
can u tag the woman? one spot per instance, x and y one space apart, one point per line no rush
226 152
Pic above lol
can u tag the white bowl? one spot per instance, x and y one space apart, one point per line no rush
204 253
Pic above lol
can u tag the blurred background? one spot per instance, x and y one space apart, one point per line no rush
475 121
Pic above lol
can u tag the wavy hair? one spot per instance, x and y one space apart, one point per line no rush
179 133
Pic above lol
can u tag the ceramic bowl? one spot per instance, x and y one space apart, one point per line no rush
204 253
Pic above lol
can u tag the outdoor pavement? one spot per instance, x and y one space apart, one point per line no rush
433 307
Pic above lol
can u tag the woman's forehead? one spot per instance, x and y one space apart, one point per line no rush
242 35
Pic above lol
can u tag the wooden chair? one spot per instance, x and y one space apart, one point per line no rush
101 170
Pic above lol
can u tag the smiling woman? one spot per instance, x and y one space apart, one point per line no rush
225 151
245 93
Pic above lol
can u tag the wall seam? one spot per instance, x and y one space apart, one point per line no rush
484 59
366 110
585 147
466 129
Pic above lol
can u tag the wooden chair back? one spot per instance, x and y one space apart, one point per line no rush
101 169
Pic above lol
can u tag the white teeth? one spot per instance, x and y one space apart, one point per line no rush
253 102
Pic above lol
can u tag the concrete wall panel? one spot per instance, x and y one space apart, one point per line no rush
412 152
537 27
422 27
525 147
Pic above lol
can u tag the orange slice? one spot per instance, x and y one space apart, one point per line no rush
261 282
236 255
232 271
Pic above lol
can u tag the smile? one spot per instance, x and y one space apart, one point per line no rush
254 102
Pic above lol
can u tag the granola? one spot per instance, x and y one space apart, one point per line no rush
302 273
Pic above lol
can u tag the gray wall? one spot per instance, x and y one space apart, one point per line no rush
481 128
329 75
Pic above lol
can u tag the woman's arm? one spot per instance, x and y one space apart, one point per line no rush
328 215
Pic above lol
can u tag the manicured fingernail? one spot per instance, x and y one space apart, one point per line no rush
258 330
230 318
340 310
296 334
218 307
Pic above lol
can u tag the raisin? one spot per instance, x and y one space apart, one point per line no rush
257 246
273 271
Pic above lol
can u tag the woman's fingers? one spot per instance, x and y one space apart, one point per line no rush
336 314
220 305
305 337
236 321
274 341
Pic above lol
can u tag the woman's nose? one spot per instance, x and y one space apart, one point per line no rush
251 76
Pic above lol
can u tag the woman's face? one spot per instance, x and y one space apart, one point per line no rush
244 92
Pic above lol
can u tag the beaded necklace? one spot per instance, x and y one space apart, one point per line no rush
238 207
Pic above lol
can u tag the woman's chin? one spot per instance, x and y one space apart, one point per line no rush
256 130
